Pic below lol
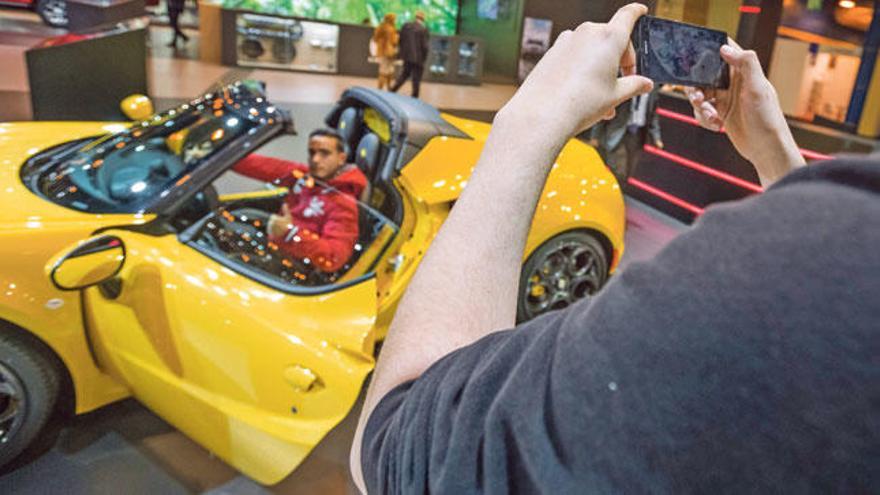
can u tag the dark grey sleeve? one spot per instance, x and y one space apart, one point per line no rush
743 358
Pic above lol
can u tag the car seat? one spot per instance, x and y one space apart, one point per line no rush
366 157
350 127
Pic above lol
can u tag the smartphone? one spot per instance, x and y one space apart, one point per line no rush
678 53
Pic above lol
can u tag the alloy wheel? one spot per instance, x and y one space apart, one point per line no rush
12 404
566 274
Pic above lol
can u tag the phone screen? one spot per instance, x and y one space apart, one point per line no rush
678 53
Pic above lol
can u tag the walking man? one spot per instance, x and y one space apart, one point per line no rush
414 52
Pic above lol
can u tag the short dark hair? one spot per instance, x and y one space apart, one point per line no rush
331 133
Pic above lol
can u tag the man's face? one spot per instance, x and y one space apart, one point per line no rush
325 159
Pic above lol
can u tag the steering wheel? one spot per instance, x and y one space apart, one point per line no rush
245 240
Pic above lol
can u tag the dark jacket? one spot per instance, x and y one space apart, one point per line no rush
740 359
176 5
414 43
610 133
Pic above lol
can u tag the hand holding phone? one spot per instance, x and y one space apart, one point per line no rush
678 53
750 115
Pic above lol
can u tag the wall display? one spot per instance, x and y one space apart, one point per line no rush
487 9
274 42
440 15
468 58
439 55
455 59
535 43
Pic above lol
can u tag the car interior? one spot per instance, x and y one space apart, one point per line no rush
234 230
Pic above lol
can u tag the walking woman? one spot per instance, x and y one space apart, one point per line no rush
385 38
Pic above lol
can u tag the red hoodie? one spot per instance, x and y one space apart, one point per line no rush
325 218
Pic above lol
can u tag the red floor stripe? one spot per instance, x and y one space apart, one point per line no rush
808 154
815 155
696 210
704 169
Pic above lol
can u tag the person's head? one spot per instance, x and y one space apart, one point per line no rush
420 16
326 153
390 18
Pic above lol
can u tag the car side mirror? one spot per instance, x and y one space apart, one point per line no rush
89 263
137 107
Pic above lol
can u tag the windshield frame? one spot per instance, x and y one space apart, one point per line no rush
174 193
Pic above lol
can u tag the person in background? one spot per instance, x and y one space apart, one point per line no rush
386 38
175 8
414 52
620 140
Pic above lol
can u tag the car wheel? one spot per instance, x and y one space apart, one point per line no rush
29 385
53 12
563 270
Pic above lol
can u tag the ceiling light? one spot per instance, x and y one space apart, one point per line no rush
846 4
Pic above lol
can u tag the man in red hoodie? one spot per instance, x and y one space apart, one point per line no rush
318 221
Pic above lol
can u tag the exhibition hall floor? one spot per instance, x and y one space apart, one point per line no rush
124 448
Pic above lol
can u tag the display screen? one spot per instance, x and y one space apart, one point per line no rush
678 53
440 15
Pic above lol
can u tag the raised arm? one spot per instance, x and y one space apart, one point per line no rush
573 86
269 169
751 115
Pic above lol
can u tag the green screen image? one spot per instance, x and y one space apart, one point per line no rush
440 15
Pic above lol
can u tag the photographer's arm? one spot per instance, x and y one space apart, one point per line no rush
466 286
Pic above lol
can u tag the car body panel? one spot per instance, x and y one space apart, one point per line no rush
37 229
581 193
255 376
19 207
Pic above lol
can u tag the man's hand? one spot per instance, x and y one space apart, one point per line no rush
658 143
576 84
278 225
750 113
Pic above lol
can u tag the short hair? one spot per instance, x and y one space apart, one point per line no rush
327 132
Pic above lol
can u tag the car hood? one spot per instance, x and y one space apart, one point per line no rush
20 207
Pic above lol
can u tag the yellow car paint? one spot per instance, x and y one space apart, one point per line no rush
580 193
255 375
221 356
34 230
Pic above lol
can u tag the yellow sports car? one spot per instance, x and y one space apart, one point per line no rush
135 263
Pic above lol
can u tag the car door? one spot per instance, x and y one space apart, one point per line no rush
255 374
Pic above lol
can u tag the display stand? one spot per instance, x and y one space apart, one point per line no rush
210 33
292 43
88 14
71 77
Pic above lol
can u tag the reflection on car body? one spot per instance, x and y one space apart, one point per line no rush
251 352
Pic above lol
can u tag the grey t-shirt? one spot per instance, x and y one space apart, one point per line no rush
744 358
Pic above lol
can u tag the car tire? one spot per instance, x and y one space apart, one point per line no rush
53 12
29 386
560 272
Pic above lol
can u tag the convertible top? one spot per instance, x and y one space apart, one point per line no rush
413 119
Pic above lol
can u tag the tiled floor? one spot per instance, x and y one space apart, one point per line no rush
124 447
